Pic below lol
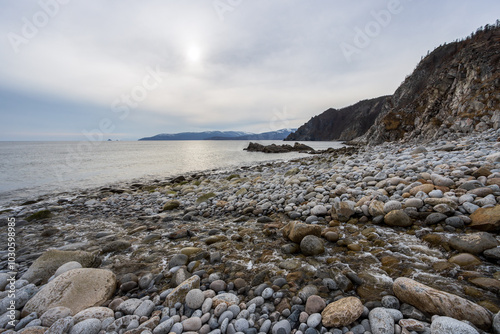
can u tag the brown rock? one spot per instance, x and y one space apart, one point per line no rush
494 180
397 218
315 304
296 231
426 188
465 259
76 289
97 312
481 192
439 302
342 312
376 208
481 171
178 295
486 219
34 330
226 298
486 283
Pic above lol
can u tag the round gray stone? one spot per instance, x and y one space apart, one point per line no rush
195 299
447 325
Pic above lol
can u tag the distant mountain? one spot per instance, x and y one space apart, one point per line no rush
272 135
223 135
197 135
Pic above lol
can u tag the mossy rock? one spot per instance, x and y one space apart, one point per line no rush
205 197
292 171
232 176
171 205
43 214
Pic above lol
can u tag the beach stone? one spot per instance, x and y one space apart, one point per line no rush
470 185
100 313
412 325
496 323
465 259
381 322
344 210
439 302
66 267
493 253
129 306
376 208
171 205
116 246
89 326
435 218
218 285
486 219
195 299
191 324
442 181
312 245
397 218
419 149
481 192
486 283
342 312
470 207
66 290
447 325
390 302
281 327
145 308
474 243
426 188
225 298
319 210
241 325
178 260
414 203
296 231
178 295
314 320
47 264
61 326
53 314
315 304
392 205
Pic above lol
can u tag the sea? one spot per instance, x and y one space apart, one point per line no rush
29 170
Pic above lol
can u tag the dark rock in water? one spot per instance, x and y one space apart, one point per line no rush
273 148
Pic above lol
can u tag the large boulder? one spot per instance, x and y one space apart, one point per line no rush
296 231
439 302
474 243
47 264
342 312
486 219
77 289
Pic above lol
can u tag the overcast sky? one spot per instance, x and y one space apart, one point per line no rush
125 69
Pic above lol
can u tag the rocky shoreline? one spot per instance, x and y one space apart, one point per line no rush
396 238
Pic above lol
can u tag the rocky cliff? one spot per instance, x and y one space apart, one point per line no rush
455 89
341 124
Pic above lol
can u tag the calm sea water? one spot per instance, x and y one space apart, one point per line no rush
31 169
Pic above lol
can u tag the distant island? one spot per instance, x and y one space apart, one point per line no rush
223 135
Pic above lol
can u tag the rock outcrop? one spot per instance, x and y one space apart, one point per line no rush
341 124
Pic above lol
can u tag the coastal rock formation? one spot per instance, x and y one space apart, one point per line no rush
273 148
452 91
341 124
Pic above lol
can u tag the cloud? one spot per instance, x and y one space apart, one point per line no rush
260 57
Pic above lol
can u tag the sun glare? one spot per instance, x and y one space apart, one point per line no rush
193 54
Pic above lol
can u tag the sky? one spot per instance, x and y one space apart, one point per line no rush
123 69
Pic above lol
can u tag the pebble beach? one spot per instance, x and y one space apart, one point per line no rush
395 238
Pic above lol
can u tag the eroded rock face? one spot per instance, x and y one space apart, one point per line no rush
76 289
47 264
342 312
438 302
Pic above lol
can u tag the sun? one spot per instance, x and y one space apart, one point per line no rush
194 54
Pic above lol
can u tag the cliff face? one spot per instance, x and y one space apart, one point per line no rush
455 89
341 124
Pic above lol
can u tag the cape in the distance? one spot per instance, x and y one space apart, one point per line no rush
223 135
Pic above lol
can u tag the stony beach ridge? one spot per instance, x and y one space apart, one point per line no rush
395 238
